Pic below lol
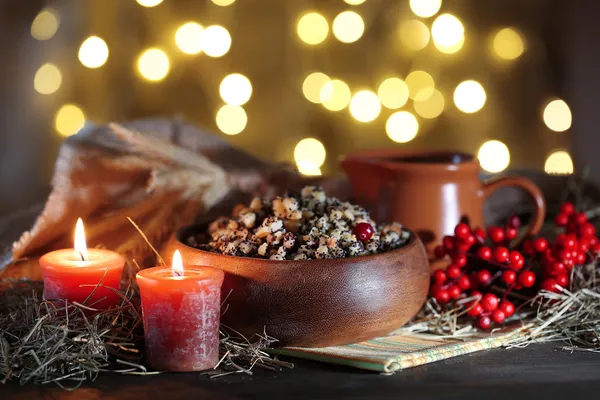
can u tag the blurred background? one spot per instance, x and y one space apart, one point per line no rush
304 82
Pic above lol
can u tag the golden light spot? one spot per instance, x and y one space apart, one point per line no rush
45 24
235 89
420 85
335 95
493 156
216 41
365 106
508 44
93 52
402 127
310 150
557 116
431 107
393 93
354 2
312 28
223 3
450 49
348 27
189 38
414 35
312 85
231 120
153 64
69 120
447 31
149 3
469 96
47 79
308 168
425 8
559 163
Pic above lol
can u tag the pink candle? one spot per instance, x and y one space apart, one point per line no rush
181 310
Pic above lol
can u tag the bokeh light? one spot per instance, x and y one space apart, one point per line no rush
469 96
557 116
425 8
308 168
312 85
450 49
420 85
365 106
216 41
559 163
508 44
69 120
189 38
311 150
348 26
402 127
231 120
312 28
335 95
235 89
414 35
354 2
45 24
153 64
431 107
149 3
223 3
393 93
47 79
493 156
93 52
447 31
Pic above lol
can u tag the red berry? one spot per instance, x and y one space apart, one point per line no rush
454 292
464 282
489 302
509 276
529 247
439 252
514 221
558 268
507 308
570 242
498 316
587 230
584 245
479 235
567 208
484 322
470 240
439 276
549 285
460 260
595 248
516 259
462 230
580 258
475 310
560 239
363 231
453 271
511 233
540 244
565 255
484 276
580 218
448 243
484 252
562 280
496 234
527 278
561 220
501 254
593 240
442 296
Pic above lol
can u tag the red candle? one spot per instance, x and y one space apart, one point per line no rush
181 311
74 274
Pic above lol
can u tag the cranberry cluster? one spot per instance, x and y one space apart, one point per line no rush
485 265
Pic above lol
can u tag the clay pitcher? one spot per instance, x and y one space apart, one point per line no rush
429 192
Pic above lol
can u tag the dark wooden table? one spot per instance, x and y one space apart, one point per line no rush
539 371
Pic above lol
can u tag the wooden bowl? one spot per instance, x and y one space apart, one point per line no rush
316 303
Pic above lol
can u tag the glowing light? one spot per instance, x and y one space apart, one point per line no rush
216 41
189 38
312 85
177 264
312 28
149 3
420 85
153 65
231 120
308 168
80 244
365 106
431 107
447 31
93 52
393 93
493 156
508 44
235 89
414 35
45 24
469 96
450 49
223 3
335 95
47 79
310 150
354 2
557 116
425 8
402 127
348 27
69 120
559 163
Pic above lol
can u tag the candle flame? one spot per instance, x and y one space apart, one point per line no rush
177 264
80 245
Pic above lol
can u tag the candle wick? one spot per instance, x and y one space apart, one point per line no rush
176 272
81 255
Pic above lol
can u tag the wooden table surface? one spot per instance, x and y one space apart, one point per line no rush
539 371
